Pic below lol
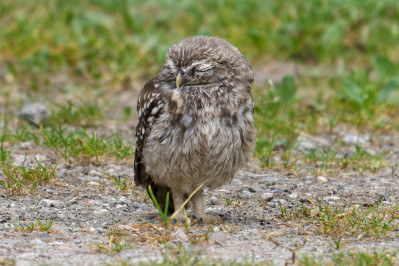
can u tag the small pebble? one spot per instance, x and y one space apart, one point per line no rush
95 173
213 200
34 113
331 198
62 173
278 191
267 196
180 235
37 241
50 202
236 182
42 235
92 183
322 179
307 144
354 139
219 237
269 180
384 196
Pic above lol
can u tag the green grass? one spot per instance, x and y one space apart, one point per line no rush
35 226
84 114
346 49
383 258
17 178
115 245
71 142
71 36
348 221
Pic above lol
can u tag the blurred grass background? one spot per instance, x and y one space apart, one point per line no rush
112 40
346 52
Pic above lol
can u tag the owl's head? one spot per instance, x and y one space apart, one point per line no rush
203 60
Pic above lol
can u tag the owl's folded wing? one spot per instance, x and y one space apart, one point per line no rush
150 106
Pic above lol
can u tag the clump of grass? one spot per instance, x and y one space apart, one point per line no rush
17 178
76 142
35 226
164 232
8 262
122 182
347 221
179 255
383 257
4 152
234 201
46 227
116 244
330 160
370 100
85 114
275 114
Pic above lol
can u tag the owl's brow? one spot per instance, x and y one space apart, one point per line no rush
205 63
173 68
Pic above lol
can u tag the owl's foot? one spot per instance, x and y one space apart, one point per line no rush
208 219
199 212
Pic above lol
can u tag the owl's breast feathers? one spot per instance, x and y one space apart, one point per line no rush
201 133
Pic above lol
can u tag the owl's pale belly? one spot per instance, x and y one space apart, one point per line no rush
207 150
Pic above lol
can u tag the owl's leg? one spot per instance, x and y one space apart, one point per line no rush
198 205
178 199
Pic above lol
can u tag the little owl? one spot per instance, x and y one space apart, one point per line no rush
195 122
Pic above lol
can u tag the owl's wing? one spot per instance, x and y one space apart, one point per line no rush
150 106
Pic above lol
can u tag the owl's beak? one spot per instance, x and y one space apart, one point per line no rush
179 79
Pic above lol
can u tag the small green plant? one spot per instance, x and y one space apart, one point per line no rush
179 255
4 153
119 149
115 245
166 221
93 146
38 226
25 226
122 182
337 242
230 201
46 227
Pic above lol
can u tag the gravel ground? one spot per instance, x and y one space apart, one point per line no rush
87 208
